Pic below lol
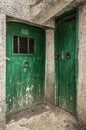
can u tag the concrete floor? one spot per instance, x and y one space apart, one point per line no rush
42 117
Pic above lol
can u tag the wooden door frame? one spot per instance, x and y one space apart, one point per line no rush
76 54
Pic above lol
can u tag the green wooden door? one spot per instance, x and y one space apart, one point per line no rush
65 63
25 67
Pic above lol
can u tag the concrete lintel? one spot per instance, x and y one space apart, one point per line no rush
48 24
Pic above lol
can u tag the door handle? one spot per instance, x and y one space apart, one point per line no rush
26 65
57 56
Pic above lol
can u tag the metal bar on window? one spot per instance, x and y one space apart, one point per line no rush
18 44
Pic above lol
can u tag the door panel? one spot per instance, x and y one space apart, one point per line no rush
65 47
25 67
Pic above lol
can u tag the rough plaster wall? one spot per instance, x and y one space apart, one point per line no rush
81 101
49 10
35 11
23 9
16 8
42 5
2 69
49 89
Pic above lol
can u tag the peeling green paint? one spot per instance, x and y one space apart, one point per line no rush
24 85
65 64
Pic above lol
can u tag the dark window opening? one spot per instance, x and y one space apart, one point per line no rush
24 45
67 19
31 45
15 44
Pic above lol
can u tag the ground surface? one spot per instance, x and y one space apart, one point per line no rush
41 117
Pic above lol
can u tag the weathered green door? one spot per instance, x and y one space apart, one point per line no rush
25 68
65 63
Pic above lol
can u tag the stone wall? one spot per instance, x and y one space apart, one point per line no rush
2 70
81 99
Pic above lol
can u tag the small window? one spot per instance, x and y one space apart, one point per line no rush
24 45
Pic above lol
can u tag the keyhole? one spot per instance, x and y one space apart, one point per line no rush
68 54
